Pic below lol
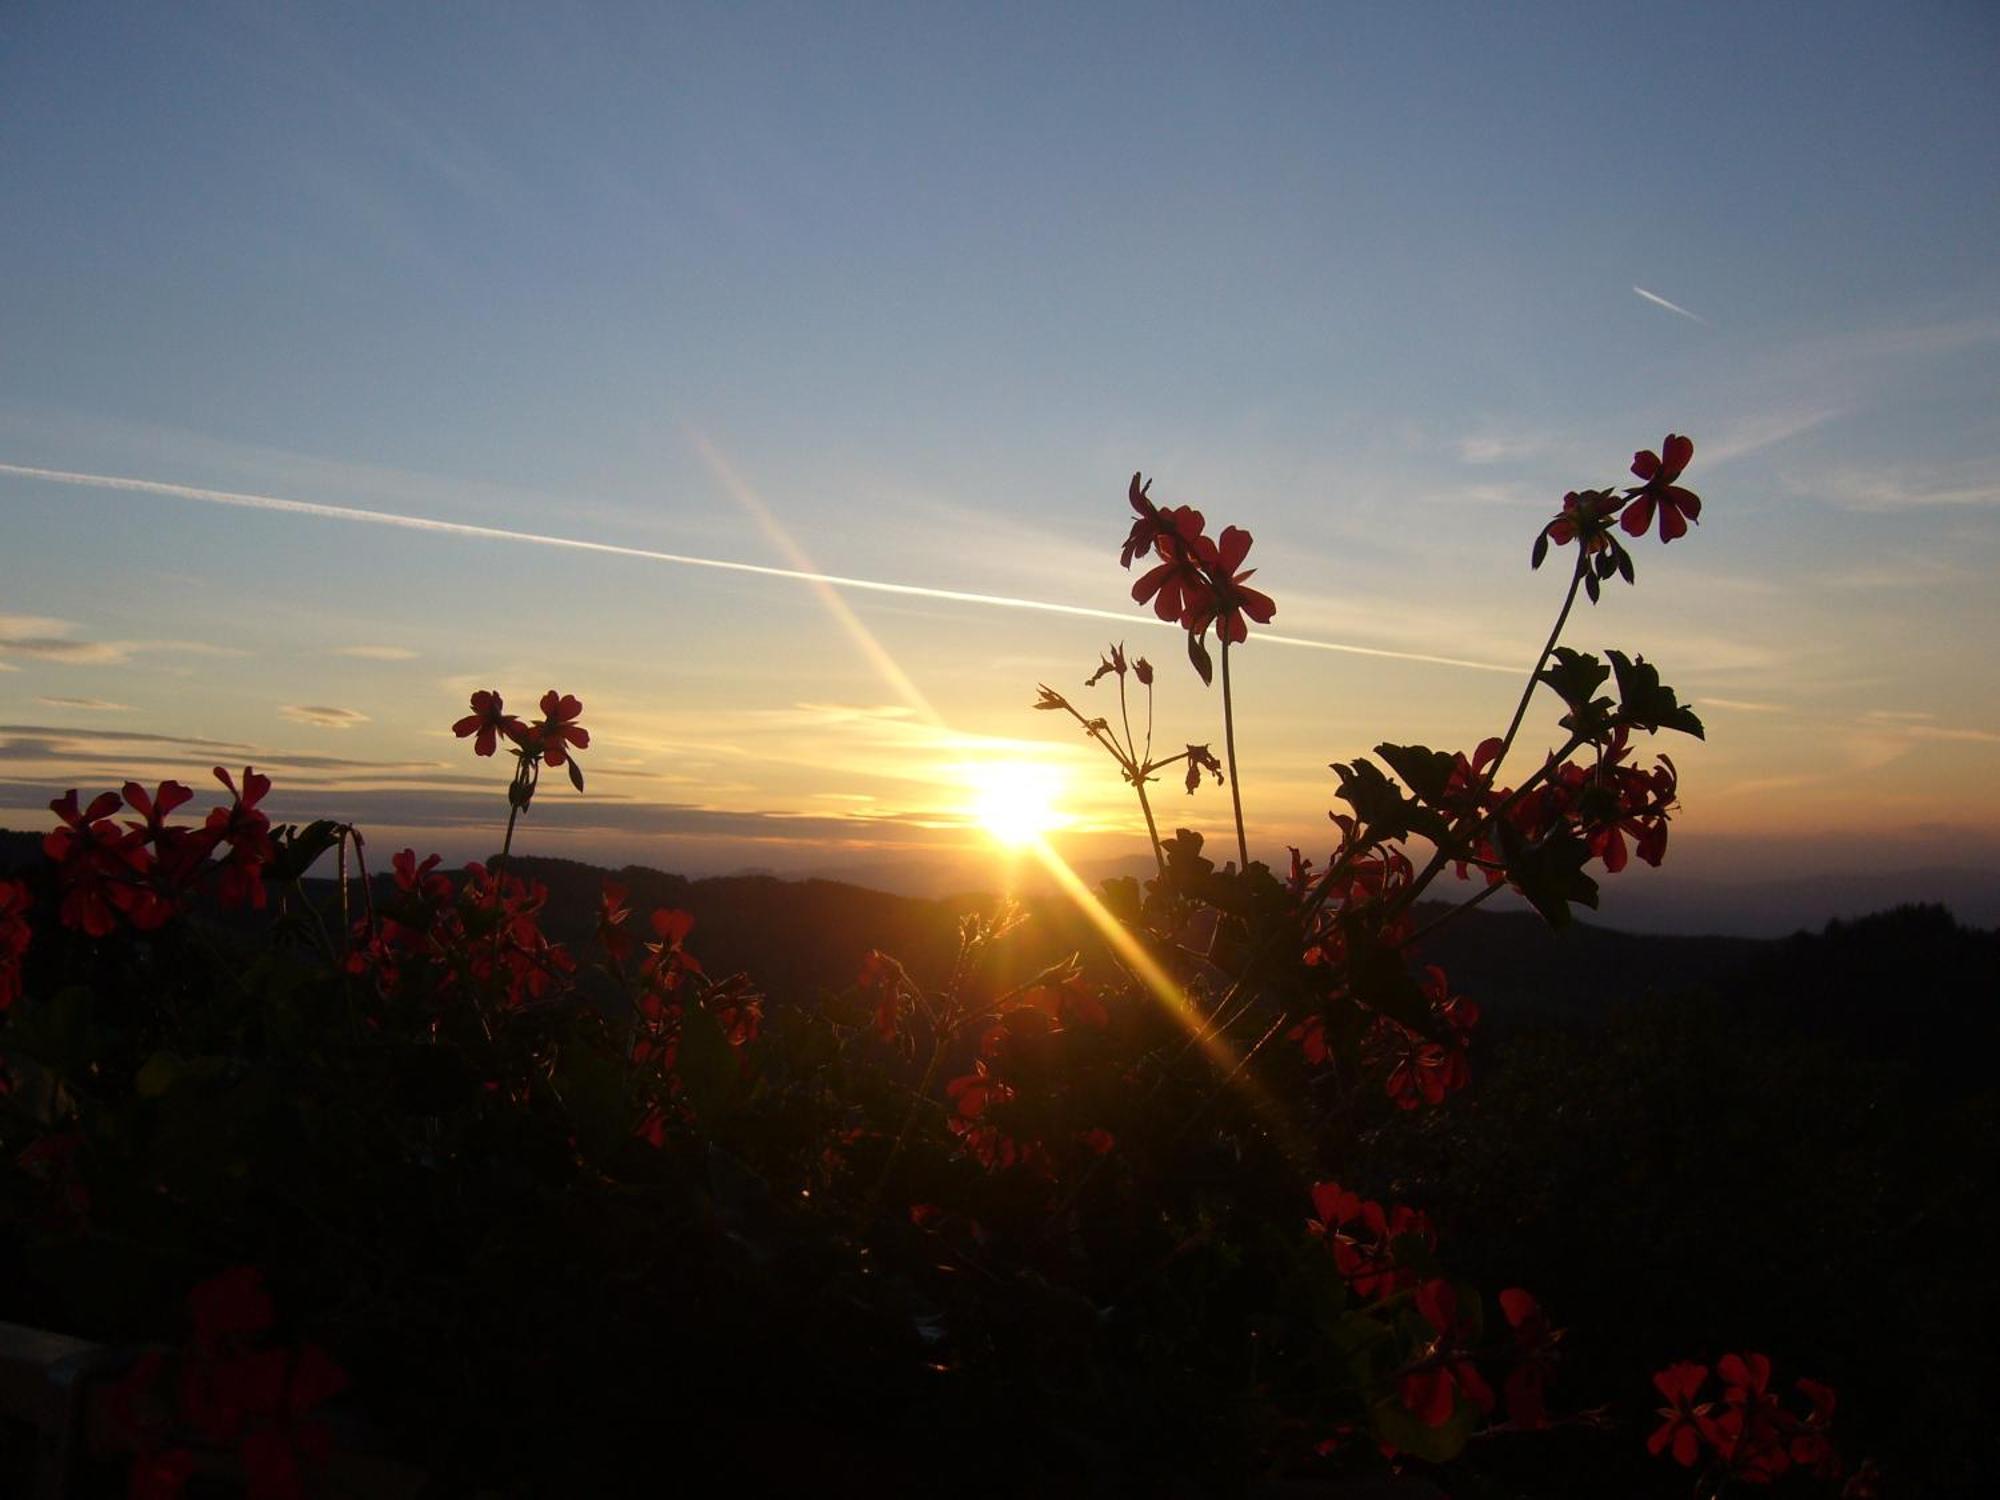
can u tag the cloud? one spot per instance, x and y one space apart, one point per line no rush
1864 491
1740 705
322 716
45 639
646 554
377 653
1673 307
42 638
95 705
1500 447
1755 434
1941 732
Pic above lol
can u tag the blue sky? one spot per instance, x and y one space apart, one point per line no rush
928 283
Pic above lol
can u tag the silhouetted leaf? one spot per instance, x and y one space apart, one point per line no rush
1381 805
1550 873
1198 654
1647 703
1424 771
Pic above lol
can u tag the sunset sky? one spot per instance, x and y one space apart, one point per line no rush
904 295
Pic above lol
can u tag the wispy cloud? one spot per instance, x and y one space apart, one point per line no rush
377 653
1500 447
1673 307
1864 491
1944 732
647 554
41 638
323 716
94 705
1740 705
1754 434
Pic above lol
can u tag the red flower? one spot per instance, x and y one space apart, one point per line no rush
1586 515
1431 1392
100 868
1535 1343
248 833
1166 530
1811 1447
557 729
1685 1425
161 1476
1178 588
488 720
1747 1431
15 935
667 960
230 1308
611 915
1229 598
1677 506
974 1091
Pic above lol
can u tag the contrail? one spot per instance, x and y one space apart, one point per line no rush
646 554
1673 307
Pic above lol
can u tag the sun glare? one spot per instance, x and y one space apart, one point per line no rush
1015 801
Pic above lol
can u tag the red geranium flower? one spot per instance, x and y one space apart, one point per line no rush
557 729
248 833
99 866
14 938
1228 597
488 720
1677 506
1166 529
1178 588
612 913
1685 1425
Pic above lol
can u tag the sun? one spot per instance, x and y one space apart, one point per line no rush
1015 801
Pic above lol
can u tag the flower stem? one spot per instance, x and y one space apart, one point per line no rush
1152 828
1229 746
1535 672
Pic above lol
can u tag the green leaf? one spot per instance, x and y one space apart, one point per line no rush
58 1032
1441 1444
706 1063
1645 702
157 1074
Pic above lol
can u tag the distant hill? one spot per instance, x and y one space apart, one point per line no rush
797 937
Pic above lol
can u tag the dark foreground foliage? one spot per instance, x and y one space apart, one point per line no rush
1207 1207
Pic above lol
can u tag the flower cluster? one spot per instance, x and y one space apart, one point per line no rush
551 740
1386 1256
139 875
1749 1434
1425 1065
1198 581
1014 1108
669 991
1587 516
1600 803
228 1390
435 939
